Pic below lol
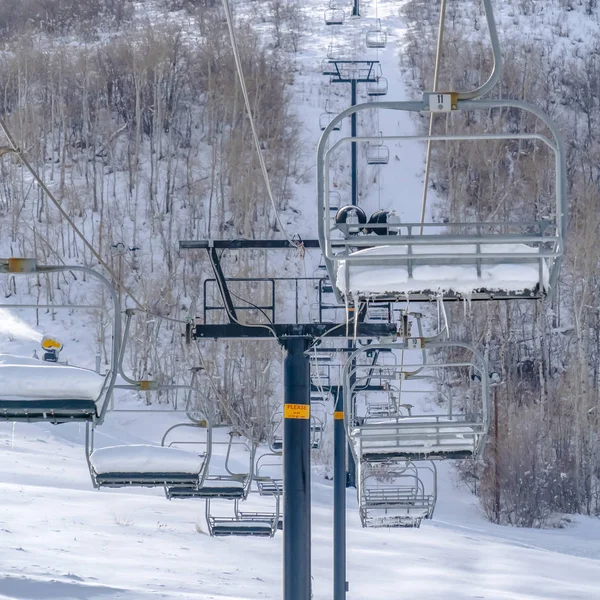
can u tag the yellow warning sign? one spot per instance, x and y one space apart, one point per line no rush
296 411
338 414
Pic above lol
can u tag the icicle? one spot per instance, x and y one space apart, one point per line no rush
443 309
347 304
12 436
469 299
357 308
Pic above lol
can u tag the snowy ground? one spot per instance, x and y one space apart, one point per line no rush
62 539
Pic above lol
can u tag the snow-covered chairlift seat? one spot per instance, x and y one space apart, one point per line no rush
229 485
398 499
419 438
379 87
413 268
244 523
32 391
145 466
416 433
501 259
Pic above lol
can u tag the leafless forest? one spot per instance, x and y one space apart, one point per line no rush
547 459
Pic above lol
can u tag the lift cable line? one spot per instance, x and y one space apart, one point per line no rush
15 149
261 159
469 95
436 74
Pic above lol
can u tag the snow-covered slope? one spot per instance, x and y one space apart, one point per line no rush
62 539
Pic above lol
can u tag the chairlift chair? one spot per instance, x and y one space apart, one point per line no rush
407 432
269 480
275 437
334 52
379 87
144 465
267 474
317 427
38 400
334 16
377 153
475 260
326 118
381 408
393 494
320 374
376 38
229 485
41 391
243 523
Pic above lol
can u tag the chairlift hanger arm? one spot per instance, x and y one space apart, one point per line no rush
284 331
497 61
244 244
496 55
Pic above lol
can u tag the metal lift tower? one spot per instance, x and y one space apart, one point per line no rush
296 338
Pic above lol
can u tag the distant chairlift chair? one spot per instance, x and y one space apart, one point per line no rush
243 523
326 118
334 16
393 494
269 480
317 428
376 38
257 523
147 465
377 153
379 87
275 439
401 431
229 485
